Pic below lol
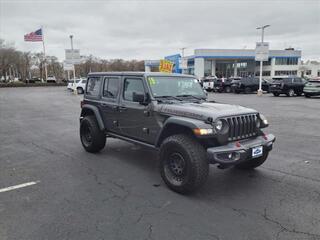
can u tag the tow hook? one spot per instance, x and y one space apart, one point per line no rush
220 166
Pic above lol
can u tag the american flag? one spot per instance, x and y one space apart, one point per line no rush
34 36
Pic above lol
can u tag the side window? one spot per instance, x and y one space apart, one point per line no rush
287 80
93 86
111 87
132 85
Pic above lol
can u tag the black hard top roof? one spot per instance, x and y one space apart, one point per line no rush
140 74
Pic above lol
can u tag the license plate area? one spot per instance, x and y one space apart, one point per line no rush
257 151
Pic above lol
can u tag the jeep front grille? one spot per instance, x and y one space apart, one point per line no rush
241 127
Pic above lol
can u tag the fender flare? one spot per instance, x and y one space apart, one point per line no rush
181 121
96 113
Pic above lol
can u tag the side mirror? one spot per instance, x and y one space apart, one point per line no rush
139 97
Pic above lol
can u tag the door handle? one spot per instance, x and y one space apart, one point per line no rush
122 108
103 104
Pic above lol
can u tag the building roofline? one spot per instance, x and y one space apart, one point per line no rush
141 74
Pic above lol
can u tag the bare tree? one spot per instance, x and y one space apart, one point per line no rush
24 65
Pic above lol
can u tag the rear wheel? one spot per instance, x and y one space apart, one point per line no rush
227 89
252 163
79 90
247 90
183 164
290 92
276 94
92 138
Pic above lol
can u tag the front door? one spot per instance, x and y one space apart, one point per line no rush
135 120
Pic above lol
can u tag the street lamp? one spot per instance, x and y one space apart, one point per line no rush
182 51
182 56
261 62
74 71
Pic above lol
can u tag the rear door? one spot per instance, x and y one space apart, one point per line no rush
298 84
110 102
92 92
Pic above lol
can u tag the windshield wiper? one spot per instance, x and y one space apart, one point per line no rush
189 95
168 97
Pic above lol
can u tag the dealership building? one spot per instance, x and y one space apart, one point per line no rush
234 63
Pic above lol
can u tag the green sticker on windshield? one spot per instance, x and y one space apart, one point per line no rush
152 81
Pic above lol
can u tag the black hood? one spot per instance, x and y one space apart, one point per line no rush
203 110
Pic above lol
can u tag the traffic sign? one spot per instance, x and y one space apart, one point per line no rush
262 51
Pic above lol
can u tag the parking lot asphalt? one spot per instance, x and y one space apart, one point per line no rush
118 193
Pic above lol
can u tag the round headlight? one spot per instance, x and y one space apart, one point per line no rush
218 125
258 122
263 119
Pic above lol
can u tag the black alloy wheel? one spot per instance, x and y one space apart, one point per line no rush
175 169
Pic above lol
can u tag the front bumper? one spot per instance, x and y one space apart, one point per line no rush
242 149
311 92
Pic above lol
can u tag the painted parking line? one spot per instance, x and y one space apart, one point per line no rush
18 186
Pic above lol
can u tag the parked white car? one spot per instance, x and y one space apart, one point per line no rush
70 84
80 85
51 79
208 83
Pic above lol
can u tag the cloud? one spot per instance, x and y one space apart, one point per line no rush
153 29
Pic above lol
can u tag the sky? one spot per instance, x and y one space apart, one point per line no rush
149 29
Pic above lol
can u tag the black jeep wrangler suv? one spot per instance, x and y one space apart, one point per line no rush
248 85
289 86
170 113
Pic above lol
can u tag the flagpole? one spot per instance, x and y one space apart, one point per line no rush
44 53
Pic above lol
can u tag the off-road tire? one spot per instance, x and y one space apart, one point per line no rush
276 94
252 163
196 163
227 89
92 138
79 90
247 90
290 92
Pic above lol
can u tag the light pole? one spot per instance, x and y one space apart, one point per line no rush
74 71
182 57
261 62
182 51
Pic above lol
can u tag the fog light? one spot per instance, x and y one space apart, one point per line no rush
233 156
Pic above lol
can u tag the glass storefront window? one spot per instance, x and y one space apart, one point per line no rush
286 61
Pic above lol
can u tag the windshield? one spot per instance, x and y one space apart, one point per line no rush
175 86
